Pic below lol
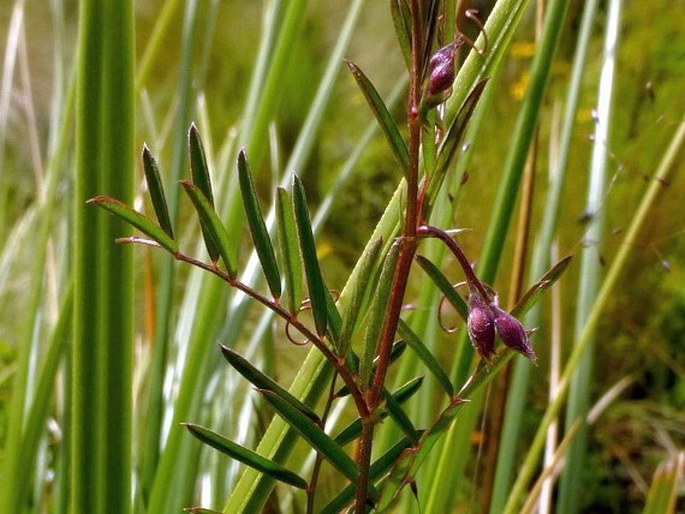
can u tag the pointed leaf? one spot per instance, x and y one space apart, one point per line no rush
400 417
401 395
445 287
396 351
533 294
334 321
663 491
215 229
137 220
316 437
317 292
377 312
263 381
378 469
360 288
423 353
388 126
154 185
248 457
289 249
258 230
200 173
401 17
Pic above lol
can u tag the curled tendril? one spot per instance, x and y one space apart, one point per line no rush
304 306
447 330
472 15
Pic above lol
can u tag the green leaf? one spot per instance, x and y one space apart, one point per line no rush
396 352
536 291
401 17
377 313
663 492
360 288
388 126
200 173
154 185
377 470
215 230
290 253
423 353
354 429
317 291
258 230
248 457
316 437
263 381
334 321
399 416
444 285
137 220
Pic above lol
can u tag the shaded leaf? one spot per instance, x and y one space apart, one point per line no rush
334 321
388 126
396 351
423 353
137 220
354 429
263 381
316 437
445 287
377 313
289 249
248 457
535 292
156 189
317 291
258 230
401 18
215 230
400 417
377 470
200 174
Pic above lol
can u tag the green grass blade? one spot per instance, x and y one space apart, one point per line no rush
663 491
246 456
401 18
318 439
289 249
535 292
215 231
255 220
317 293
156 188
137 220
400 417
262 381
380 111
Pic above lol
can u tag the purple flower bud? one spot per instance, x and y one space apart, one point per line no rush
440 75
481 326
512 333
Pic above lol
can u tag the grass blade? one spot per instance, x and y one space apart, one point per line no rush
445 287
215 230
137 220
317 292
154 185
248 457
258 230
663 492
262 381
380 111
536 291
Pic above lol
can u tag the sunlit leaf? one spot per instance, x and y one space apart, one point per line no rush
258 230
215 229
156 189
263 381
248 457
137 220
401 17
388 126
536 291
289 249
663 492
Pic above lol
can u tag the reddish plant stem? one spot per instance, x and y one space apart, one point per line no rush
408 243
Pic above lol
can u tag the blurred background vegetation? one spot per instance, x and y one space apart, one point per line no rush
643 331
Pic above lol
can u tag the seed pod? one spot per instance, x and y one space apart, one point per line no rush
440 75
481 326
512 333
